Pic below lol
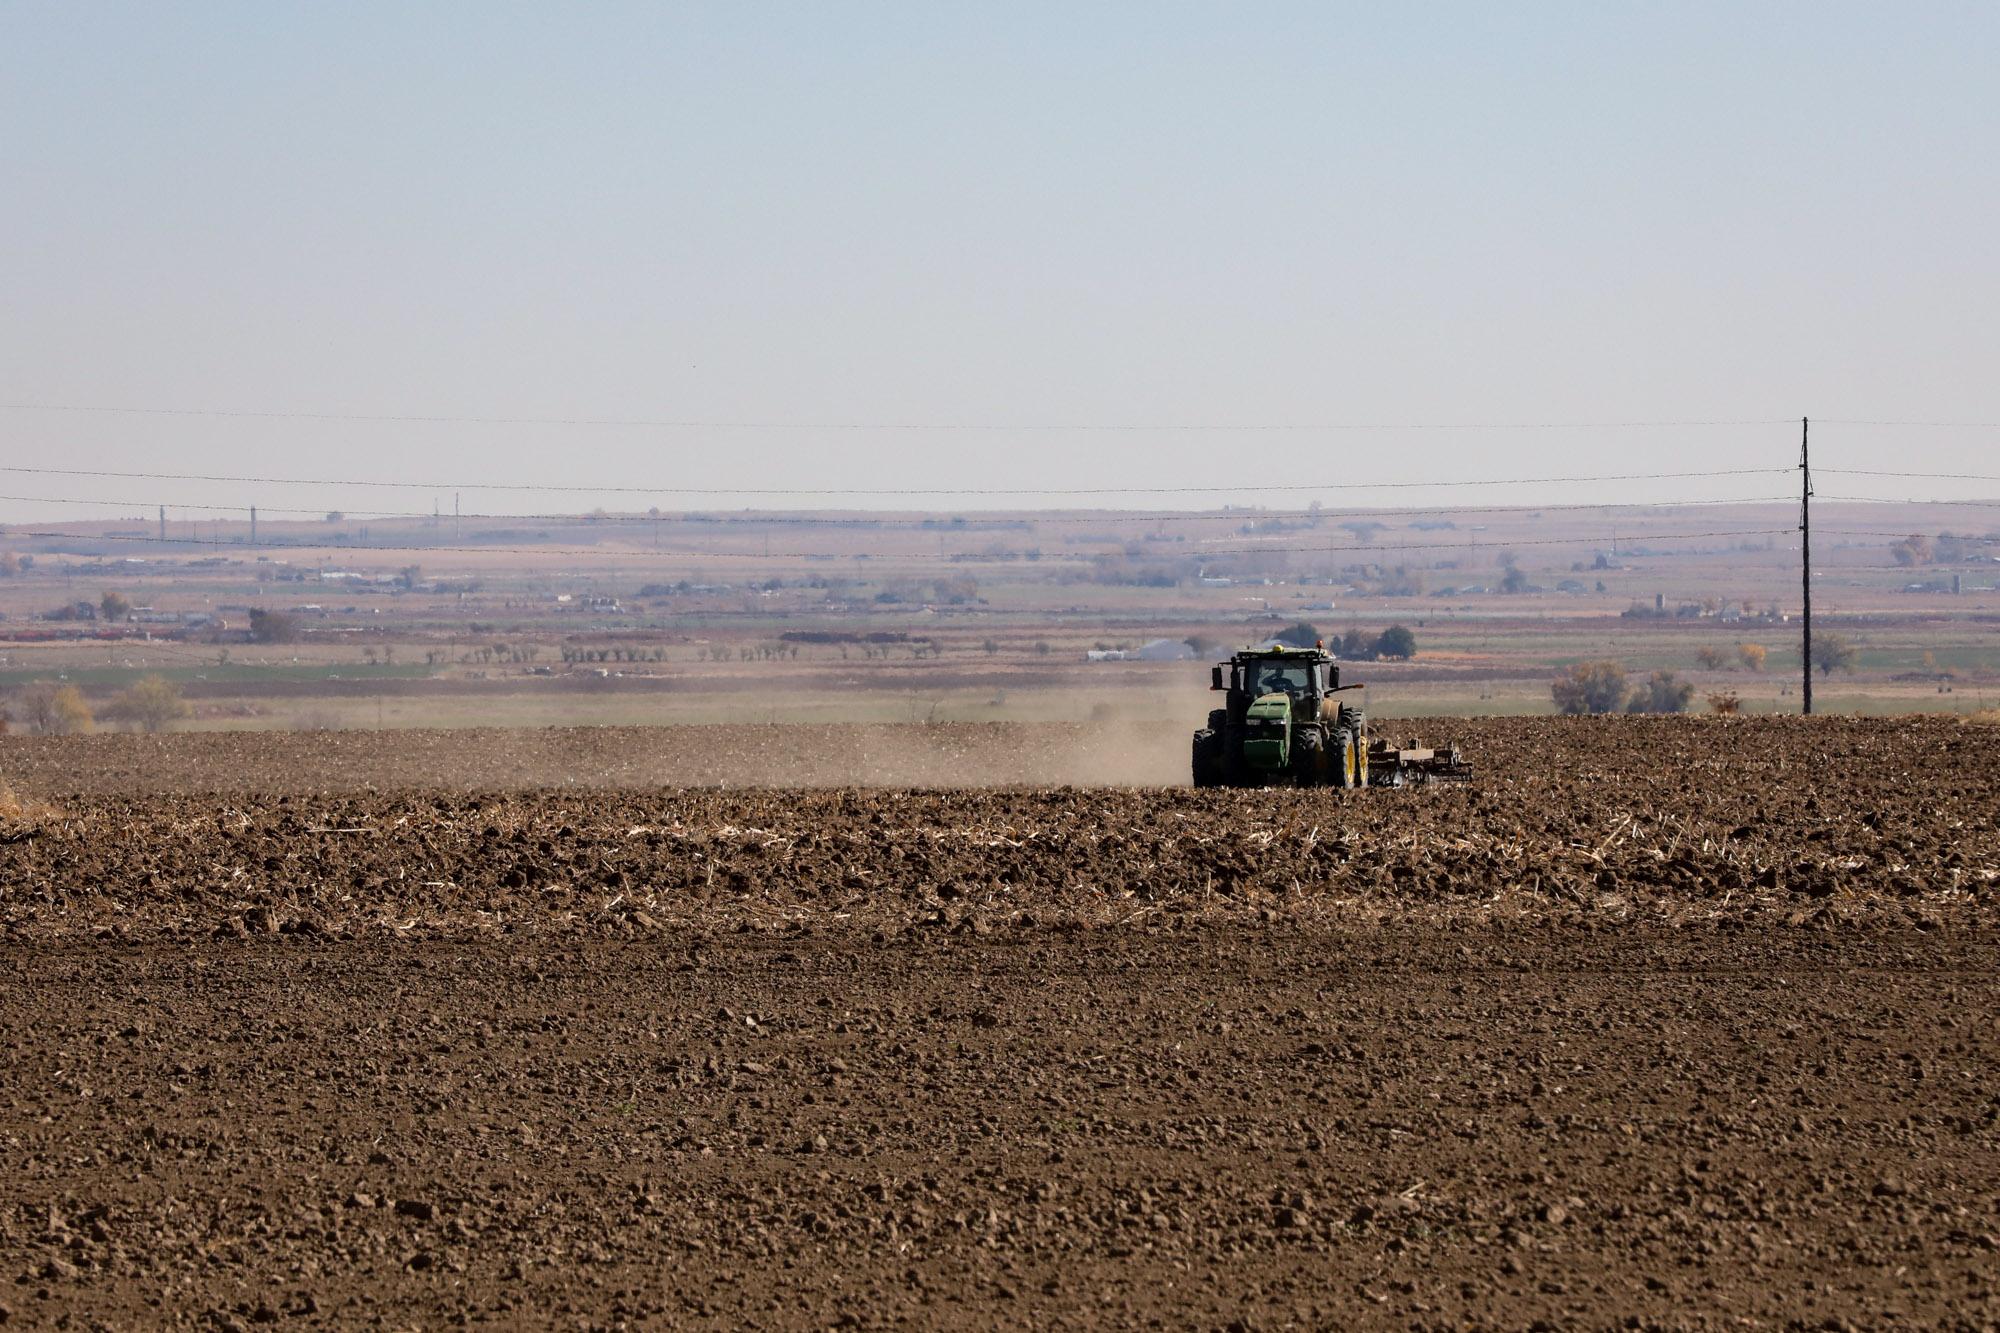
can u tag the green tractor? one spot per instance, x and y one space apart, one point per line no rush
1290 721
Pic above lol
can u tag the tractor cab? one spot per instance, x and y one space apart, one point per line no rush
1304 675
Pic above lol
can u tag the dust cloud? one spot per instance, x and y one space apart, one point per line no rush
941 755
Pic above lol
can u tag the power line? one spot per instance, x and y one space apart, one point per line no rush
1876 532
1927 425
1930 476
1581 539
563 488
1913 503
669 423
353 548
1029 517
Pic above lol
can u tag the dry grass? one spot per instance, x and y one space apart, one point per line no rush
19 813
1988 717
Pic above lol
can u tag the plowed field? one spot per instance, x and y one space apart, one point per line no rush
1688 1022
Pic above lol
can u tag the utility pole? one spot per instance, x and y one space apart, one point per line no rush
163 522
253 525
1805 557
456 529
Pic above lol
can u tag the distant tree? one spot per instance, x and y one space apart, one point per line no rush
1402 581
151 704
1514 580
34 708
1725 703
1203 645
50 709
1042 648
1355 646
1914 549
410 575
1397 644
1662 693
1832 652
1301 635
1589 687
272 626
957 591
1751 655
1955 549
1364 529
335 516
1711 658
114 606
73 712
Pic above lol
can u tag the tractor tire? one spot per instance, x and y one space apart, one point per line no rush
1309 757
1207 759
1346 759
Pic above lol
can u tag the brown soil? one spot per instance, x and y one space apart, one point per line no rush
1687 1023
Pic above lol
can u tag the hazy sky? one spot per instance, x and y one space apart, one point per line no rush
999 215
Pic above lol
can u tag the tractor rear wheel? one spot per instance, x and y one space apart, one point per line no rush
1346 758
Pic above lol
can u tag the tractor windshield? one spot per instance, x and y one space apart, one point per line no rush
1263 678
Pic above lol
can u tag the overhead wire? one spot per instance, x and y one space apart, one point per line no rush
1879 532
940 427
1010 517
1910 502
822 492
355 548
1927 425
1923 476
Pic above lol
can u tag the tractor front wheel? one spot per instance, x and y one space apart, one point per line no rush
1309 757
1207 759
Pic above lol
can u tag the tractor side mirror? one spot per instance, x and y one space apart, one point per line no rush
1215 678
